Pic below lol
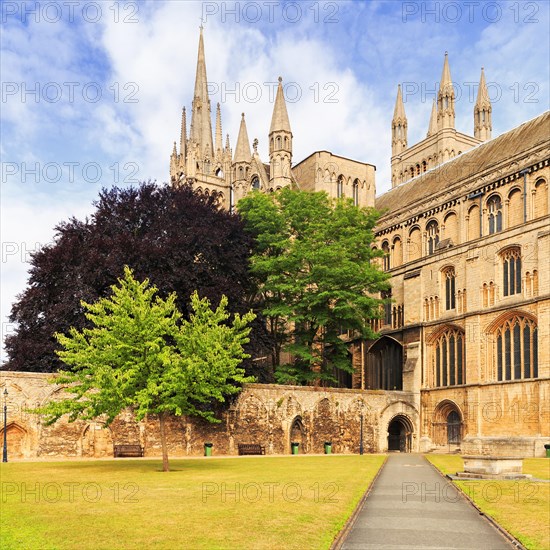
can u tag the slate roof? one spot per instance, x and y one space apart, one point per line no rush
525 137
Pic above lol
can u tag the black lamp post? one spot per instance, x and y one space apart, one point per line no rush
5 451
361 431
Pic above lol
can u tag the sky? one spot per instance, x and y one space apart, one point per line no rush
92 92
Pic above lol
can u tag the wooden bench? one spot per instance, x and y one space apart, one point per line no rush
251 449
128 450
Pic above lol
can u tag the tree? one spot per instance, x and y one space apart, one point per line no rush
176 237
141 354
315 276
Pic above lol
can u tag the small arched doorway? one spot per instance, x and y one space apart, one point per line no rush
448 425
297 434
97 441
400 434
15 439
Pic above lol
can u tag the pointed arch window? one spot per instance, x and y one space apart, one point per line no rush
356 193
494 212
386 257
255 183
449 279
340 187
432 230
516 349
449 359
511 271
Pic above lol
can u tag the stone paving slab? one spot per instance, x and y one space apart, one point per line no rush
412 507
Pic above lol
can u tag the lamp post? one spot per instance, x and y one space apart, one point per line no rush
361 431
5 451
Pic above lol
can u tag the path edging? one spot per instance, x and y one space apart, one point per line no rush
339 539
515 542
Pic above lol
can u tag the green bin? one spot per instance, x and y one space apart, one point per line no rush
547 447
328 447
294 448
208 449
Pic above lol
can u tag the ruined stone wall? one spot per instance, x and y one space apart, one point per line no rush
269 415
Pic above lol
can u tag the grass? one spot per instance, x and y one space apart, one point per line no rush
521 507
260 503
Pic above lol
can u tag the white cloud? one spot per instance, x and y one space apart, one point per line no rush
347 71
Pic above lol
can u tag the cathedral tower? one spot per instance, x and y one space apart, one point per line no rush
482 111
446 98
280 143
399 125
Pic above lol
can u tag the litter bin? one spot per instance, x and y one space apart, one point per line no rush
328 447
208 449
294 447
547 447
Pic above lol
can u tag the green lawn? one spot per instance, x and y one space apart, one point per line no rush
264 502
521 507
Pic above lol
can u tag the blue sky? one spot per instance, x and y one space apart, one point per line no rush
92 92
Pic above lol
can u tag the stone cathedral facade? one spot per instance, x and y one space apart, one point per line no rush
463 356
466 237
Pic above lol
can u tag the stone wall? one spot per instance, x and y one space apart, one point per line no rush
269 415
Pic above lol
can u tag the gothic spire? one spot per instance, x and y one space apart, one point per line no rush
201 122
279 120
242 151
482 111
399 109
446 98
399 125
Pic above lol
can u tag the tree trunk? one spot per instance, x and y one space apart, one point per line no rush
162 420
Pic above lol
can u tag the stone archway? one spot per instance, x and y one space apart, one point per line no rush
16 438
400 432
298 434
96 441
447 424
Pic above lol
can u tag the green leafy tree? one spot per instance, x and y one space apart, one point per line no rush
315 275
141 354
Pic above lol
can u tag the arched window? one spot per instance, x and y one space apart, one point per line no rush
241 172
451 227
255 183
231 199
415 244
516 349
541 198
511 271
340 187
397 252
449 358
386 295
449 280
384 365
356 193
515 208
473 222
386 258
432 229
494 212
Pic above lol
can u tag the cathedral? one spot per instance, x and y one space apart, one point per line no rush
466 238
462 360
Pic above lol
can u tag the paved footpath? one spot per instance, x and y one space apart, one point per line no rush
412 506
